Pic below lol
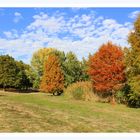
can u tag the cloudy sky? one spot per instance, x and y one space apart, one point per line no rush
81 30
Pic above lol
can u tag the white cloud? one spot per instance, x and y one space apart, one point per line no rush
82 34
134 14
11 34
50 25
17 17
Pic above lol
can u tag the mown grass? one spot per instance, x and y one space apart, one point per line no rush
38 112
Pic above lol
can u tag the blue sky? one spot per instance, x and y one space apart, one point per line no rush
81 30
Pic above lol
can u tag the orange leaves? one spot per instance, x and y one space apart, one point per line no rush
106 68
53 78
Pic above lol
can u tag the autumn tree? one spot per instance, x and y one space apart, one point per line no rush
133 64
106 69
37 63
53 79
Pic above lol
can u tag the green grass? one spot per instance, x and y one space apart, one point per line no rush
43 113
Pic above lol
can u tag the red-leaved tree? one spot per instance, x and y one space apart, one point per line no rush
53 79
106 69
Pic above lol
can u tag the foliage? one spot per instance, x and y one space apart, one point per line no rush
13 73
8 71
106 69
84 68
132 59
73 69
80 91
121 97
52 80
23 78
37 63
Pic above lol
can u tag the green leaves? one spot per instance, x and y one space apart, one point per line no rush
13 73
132 60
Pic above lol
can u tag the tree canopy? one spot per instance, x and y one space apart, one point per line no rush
107 69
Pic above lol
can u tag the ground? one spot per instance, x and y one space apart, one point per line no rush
38 112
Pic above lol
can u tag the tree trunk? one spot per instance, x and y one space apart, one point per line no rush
113 102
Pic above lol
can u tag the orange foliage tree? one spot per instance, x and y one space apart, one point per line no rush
106 69
53 79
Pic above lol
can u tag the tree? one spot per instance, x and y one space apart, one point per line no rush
84 68
8 71
106 69
37 63
72 69
23 81
132 59
53 79
13 73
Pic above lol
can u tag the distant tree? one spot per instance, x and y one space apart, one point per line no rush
53 79
37 63
13 73
132 59
23 81
8 71
106 69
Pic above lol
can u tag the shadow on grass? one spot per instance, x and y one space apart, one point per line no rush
12 90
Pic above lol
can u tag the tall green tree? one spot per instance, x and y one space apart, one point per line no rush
72 69
132 56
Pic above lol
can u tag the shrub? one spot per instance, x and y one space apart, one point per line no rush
81 91
134 100
121 97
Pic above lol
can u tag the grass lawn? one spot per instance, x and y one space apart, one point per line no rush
38 112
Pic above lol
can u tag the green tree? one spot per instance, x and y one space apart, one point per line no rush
23 81
72 69
132 56
84 67
8 71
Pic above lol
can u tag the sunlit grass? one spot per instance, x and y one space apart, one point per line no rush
38 112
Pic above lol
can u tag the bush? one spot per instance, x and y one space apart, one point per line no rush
134 100
81 91
121 97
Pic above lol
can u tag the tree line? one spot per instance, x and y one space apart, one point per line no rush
111 69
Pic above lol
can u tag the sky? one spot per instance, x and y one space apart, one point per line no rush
80 30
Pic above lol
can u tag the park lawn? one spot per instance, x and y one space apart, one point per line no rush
38 112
